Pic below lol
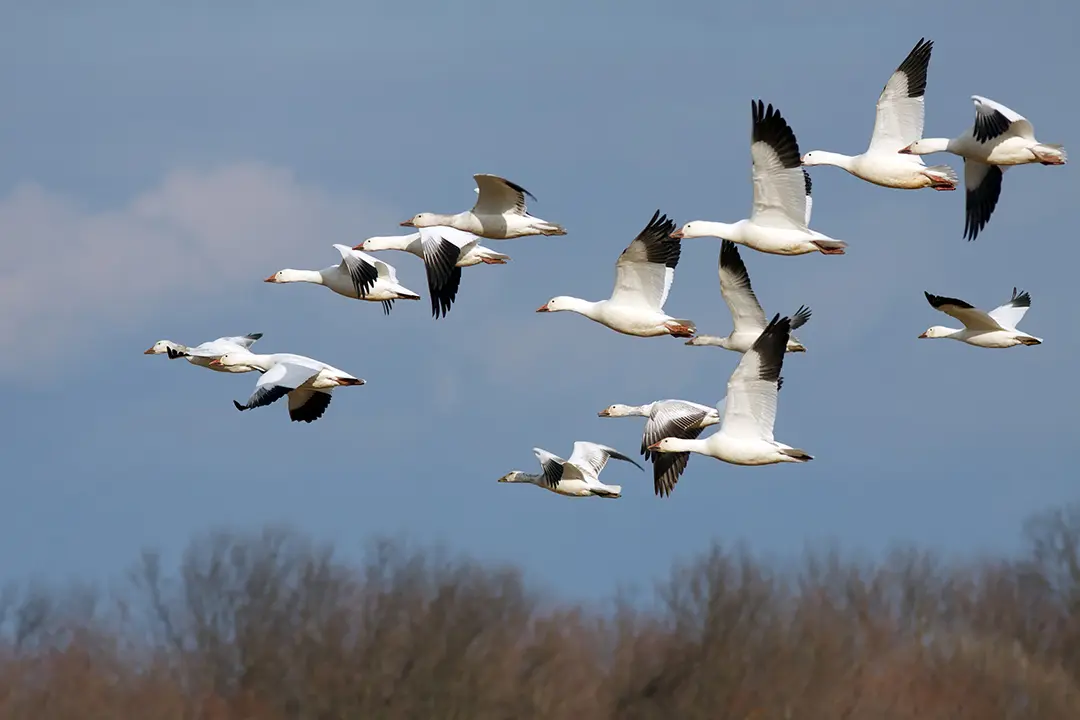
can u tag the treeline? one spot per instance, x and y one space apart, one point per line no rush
269 626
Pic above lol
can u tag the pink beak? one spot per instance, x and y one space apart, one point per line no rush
543 308
654 446
407 223
905 151
272 278
216 362
677 234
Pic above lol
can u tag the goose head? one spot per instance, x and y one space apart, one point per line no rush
617 410
937 331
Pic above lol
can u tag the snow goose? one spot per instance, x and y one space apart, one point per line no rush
899 122
498 214
643 276
747 316
307 382
444 250
667 418
778 221
576 477
994 329
203 353
746 432
1000 137
359 276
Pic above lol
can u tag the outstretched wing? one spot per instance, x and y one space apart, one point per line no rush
994 120
750 410
360 268
779 179
443 275
244 341
972 317
308 405
551 465
589 459
276 383
670 419
982 184
735 288
901 105
1011 313
646 268
499 195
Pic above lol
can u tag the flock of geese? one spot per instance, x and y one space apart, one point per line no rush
778 225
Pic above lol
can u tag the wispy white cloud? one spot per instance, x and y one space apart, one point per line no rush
69 271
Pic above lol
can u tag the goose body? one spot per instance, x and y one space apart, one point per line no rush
444 250
778 223
358 276
1000 137
577 477
745 436
643 277
305 381
748 318
994 329
203 353
500 213
667 418
899 122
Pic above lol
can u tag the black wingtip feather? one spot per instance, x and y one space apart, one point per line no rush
1023 299
989 123
915 67
939 301
253 336
770 347
238 406
809 183
981 201
772 129
443 276
312 410
518 188
660 247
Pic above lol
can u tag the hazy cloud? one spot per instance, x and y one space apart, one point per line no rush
69 270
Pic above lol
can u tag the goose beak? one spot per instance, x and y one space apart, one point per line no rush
922 336
602 413
543 308
677 235
408 223
905 151
654 446
272 278
216 362
148 352
358 247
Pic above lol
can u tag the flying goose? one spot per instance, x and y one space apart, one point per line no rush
576 477
307 382
643 277
203 353
994 329
667 418
1000 137
745 436
359 276
748 318
899 122
444 250
778 221
499 213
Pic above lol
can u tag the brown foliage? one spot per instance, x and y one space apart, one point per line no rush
270 626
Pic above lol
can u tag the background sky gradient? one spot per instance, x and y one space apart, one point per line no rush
157 161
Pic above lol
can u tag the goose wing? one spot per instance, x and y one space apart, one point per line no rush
671 418
442 247
276 383
498 196
779 179
972 317
994 120
551 465
901 106
244 341
307 405
588 460
982 184
746 312
750 407
646 268
360 267
1011 313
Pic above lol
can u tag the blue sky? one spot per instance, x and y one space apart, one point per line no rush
158 161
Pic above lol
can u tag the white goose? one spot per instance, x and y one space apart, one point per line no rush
899 122
307 382
499 213
577 477
667 418
1000 137
203 353
748 318
643 277
359 276
778 221
746 432
444 250
994 329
